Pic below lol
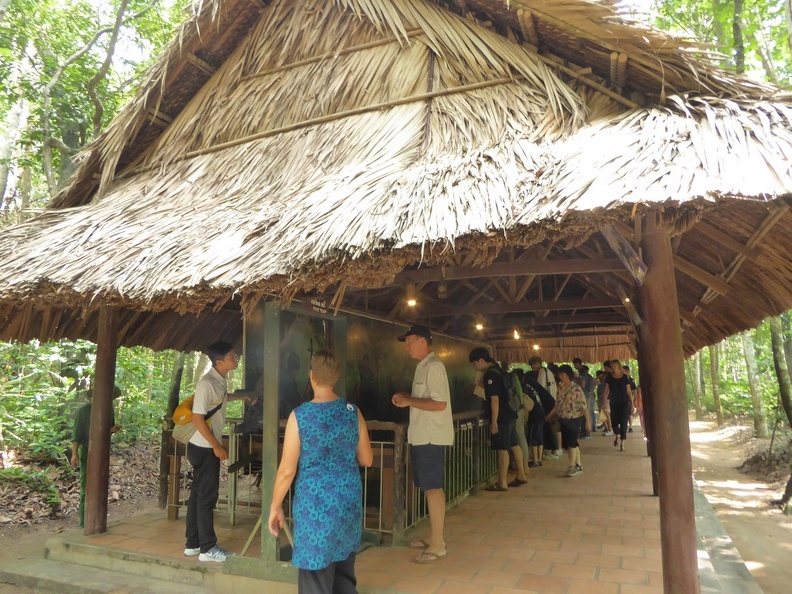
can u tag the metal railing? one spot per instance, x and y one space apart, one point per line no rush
392 504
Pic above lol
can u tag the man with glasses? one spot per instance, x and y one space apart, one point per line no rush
430 431
205 451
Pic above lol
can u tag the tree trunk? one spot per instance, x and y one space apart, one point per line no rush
702 378
781 369
785 324
739 44
788 19
695 364
759 419
714 370
7 144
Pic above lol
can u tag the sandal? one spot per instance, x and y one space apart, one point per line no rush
616 442
426 557
517 482
495 487
418 544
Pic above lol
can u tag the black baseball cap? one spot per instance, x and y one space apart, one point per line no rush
417 330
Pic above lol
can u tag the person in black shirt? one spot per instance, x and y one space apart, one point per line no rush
502 419
620 395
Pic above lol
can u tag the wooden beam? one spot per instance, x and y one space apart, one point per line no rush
525 18
522 307
661 344
528 322
499 269
207 69
635 317
726 240
699 274
577 333
626 254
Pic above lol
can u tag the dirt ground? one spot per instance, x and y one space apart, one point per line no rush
761 533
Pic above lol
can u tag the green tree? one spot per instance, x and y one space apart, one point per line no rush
752 37
67 67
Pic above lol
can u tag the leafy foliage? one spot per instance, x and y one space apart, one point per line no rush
42 386
762 24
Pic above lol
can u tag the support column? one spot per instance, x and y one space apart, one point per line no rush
269 440
98 479
661 342
645 382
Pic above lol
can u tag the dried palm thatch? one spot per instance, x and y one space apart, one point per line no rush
339 142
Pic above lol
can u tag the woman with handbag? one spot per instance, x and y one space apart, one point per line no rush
572 414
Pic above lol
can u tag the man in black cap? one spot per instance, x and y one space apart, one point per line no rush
430 431
502 420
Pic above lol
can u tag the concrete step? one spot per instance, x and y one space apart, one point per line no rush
156 567
48 576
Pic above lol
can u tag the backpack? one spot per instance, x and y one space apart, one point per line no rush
515 397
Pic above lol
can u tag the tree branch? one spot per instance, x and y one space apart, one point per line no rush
105 67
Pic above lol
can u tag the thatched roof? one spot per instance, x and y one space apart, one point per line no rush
285 146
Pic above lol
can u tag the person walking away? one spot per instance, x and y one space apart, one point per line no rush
205 452
633 387
430 431
572 412
536 418
80 436
326 440
603 403
545 378
502 420
618 392
589 385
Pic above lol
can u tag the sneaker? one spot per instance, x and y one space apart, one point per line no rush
578 467
550 456
188 552
216 553
574 470
629 430
534 464
586 436
559 453
607 433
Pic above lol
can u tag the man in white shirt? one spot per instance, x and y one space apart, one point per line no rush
430 431
205 451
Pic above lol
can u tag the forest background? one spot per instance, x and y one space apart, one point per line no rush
68 66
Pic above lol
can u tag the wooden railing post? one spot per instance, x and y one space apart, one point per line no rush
399 483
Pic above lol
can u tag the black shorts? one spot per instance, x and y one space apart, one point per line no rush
505 438
536 433
570 429
427 466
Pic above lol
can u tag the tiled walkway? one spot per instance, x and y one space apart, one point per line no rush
597 533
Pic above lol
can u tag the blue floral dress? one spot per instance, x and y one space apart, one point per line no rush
328 498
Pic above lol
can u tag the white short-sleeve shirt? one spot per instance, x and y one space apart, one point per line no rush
210 391
431 427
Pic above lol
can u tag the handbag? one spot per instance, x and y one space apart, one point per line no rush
184 430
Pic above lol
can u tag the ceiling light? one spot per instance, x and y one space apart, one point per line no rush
411 300
516 335
479 326
536 347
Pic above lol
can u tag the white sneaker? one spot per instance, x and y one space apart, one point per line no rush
607 433
559 453
216 553
188 552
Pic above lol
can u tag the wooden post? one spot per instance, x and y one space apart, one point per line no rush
661 342
399 484
98 479
645 380
269 439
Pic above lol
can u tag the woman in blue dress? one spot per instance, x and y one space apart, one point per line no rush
326 440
